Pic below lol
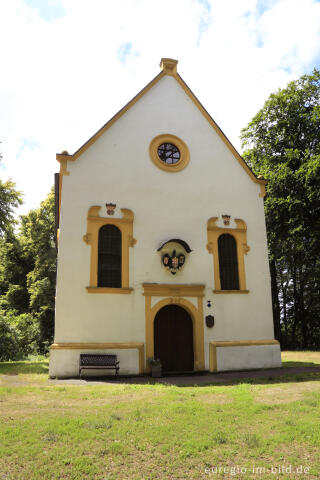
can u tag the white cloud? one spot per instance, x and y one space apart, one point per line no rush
63 79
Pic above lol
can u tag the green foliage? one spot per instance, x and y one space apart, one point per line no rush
27 280
10 349
38 240
28 331
19 335
14 264
10 199
283 146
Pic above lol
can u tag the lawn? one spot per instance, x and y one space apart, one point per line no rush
251 429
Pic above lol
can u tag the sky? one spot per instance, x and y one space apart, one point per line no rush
67 66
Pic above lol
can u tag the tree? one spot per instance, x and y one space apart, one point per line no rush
14 268
10 348
10 199
27 274
37 236
27 280
19 335
283 145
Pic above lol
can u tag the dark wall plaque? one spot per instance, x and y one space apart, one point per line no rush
209 321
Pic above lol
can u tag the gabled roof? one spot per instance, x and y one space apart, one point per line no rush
169 67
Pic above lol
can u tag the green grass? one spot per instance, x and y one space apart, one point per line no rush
120 431
37 365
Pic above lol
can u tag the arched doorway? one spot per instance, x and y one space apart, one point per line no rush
173 339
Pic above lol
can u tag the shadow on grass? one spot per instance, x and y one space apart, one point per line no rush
14 368
287 363
265 377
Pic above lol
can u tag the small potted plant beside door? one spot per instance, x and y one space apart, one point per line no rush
156 367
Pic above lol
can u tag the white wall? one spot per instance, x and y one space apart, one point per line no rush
65 363
248 357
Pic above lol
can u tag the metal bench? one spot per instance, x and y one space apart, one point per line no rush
98 361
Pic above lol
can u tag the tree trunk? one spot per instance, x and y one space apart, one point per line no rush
302 313
294 340
284 311
275 301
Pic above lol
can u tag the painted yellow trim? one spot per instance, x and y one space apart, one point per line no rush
168 138
195 313
160 290
231 291
116 117
262 193
149 332
217 129
64 165
125 225
103 346
213 366
108 290
240 235
243 343
169 67
96 346
63 172
198 337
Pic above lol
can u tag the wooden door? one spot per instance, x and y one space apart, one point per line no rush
173 339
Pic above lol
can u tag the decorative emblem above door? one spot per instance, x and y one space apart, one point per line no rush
174 253
174 262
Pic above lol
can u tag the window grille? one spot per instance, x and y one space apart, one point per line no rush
228 262
109 257
169 153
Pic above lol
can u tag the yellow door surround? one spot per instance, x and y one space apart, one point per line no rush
175 294
240 236
125 225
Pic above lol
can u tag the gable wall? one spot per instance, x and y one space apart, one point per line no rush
117 168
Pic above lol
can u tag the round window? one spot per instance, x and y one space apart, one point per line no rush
169 153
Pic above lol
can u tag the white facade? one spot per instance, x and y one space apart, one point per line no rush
116 167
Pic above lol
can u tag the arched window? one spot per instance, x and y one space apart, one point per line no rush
228 262
109 257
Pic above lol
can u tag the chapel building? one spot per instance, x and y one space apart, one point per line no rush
162 249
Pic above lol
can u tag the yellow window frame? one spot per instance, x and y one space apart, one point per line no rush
125 225
240 235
